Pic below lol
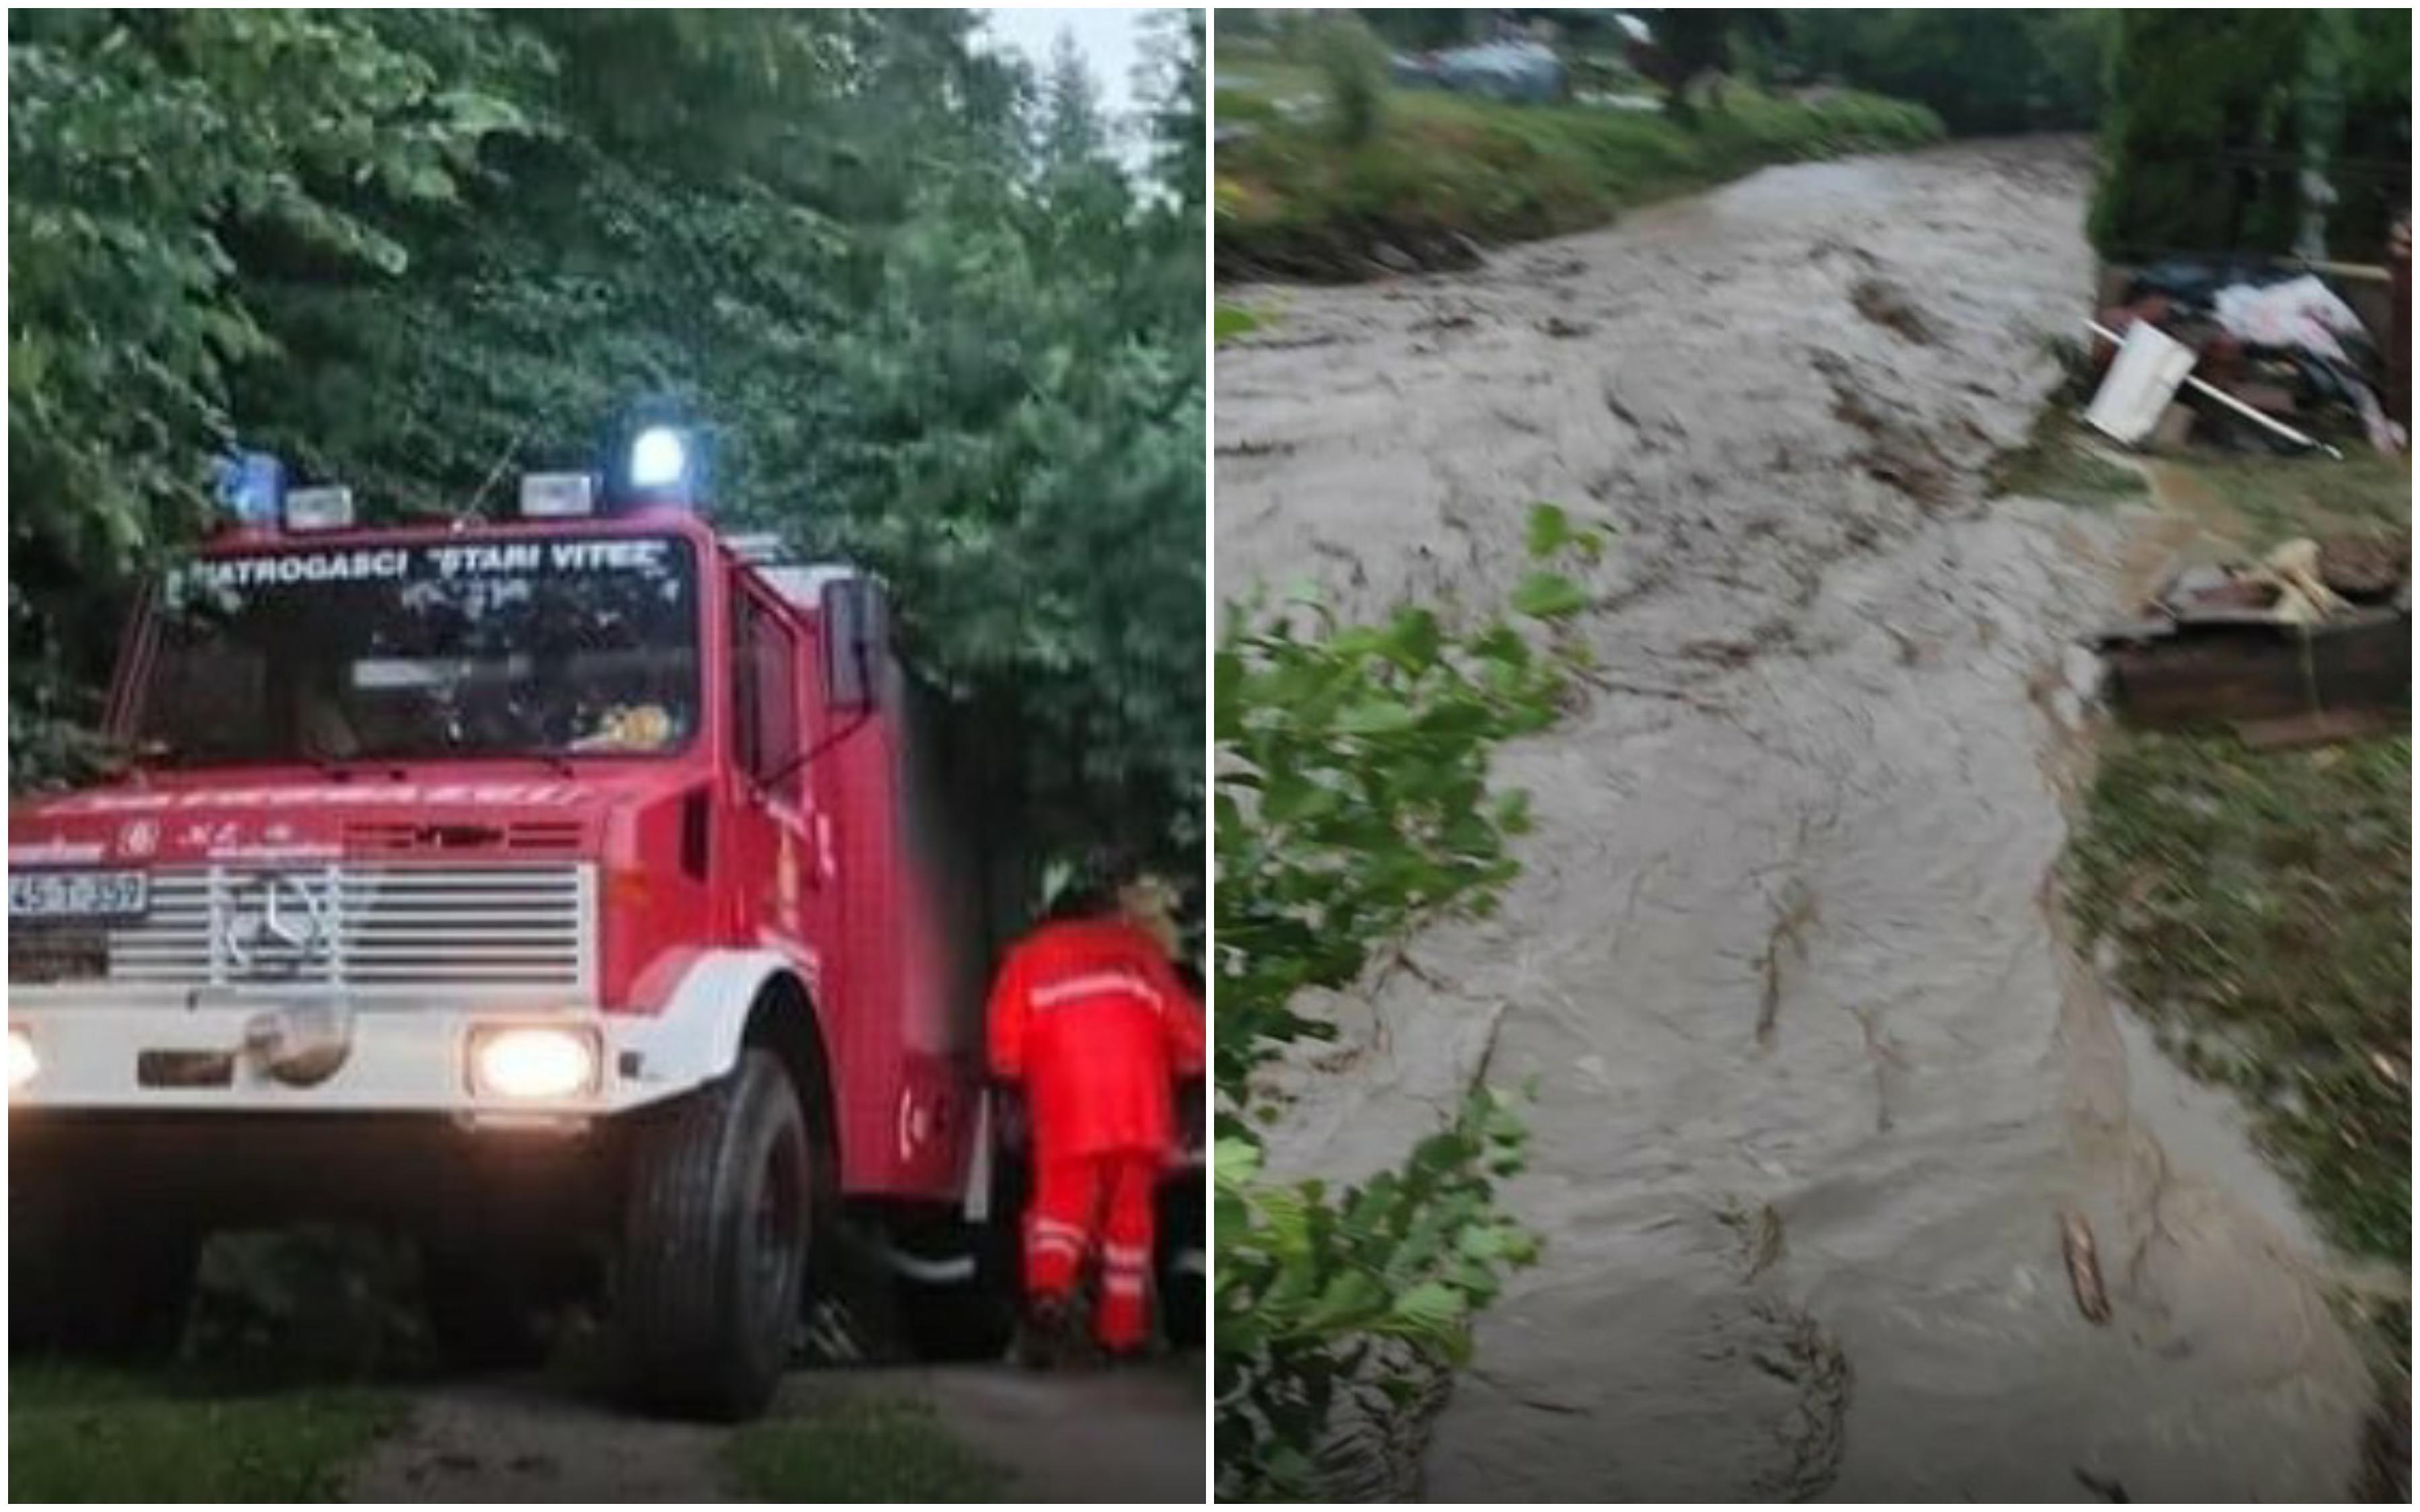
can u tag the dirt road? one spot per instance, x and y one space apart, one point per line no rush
1128 1437
1821 1094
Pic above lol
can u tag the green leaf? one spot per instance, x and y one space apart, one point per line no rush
1432 1305
1376 717
1550 530
1548 596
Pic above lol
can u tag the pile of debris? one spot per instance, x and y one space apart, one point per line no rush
2275 354
2311 643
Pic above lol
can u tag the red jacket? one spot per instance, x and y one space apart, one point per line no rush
1092 1018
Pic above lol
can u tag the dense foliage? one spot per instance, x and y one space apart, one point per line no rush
933 321
1353 74
1984 71
1352 808
2213 115
1692 44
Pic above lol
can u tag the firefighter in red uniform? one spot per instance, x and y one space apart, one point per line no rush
1091 1022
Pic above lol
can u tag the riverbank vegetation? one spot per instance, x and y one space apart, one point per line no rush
1354 177
2259 902
2218 120
1353 808
2256 909
2065 461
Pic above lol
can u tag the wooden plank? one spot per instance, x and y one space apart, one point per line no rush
2239 674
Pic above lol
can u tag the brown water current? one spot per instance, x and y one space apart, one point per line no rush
1824 1094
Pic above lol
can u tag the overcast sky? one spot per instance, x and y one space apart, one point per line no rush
1109 40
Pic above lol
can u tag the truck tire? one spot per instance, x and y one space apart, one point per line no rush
714 1237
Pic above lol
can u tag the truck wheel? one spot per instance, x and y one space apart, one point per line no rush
715 1240
482 1307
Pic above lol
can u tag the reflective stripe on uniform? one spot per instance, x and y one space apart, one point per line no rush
1095 984
1051 1236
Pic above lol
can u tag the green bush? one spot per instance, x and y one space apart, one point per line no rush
319 1302
2185 88
1352 808
1352 65
2195 95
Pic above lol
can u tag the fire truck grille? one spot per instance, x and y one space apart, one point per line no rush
399 927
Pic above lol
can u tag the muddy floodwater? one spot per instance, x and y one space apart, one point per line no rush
1825 1102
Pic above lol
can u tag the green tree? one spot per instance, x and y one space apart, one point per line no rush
1422 29
1072 131
2200 112
1352 64
149 152
1173 80
930 322
1984 71
1689 45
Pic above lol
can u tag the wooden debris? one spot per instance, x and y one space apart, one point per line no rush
2364 566
2083 1267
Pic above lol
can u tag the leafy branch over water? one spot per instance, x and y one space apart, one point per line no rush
1352 808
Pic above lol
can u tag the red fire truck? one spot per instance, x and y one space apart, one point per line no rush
583 894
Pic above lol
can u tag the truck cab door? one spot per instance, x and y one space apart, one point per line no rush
772 843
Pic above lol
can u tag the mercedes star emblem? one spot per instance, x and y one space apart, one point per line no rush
275 924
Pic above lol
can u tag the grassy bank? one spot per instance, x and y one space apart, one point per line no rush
2062 460
1296 201
2261 903
90 1435
2259 907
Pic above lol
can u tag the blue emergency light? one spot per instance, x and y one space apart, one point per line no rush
252 488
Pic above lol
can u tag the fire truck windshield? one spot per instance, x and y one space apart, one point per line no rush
554 647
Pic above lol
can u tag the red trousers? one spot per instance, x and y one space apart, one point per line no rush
1105 1200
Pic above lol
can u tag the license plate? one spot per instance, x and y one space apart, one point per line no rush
35 896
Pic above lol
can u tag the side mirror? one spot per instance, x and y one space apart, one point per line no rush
855 633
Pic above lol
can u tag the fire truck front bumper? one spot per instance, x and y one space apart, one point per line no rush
266 1054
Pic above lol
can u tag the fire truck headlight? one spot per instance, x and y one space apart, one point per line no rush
533 1062
658 457
23 1064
